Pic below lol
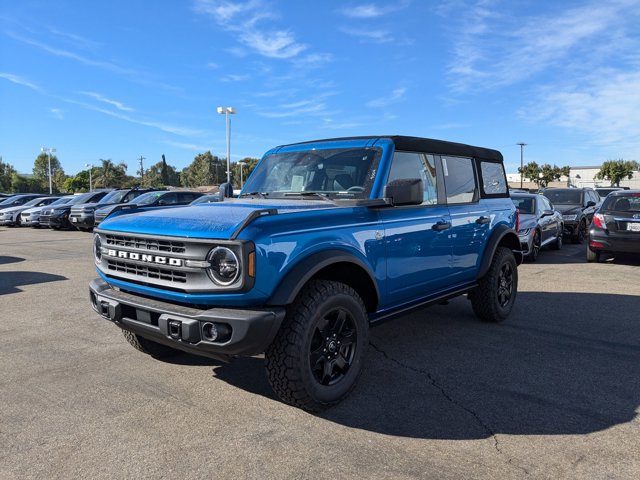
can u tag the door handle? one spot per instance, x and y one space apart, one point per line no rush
438 226
483 220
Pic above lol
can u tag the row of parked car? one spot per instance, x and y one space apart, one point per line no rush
610 224
84 211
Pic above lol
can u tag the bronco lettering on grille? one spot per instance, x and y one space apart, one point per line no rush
141 257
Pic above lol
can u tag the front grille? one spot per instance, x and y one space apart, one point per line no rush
25 215
148 244
147 271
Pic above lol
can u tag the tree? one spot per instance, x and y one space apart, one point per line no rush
41 167
617 170
79 183
543 175
110 175
161 175
22 184
6 171
206 169
249 164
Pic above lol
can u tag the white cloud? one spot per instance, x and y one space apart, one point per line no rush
606 108
493 48
114 103
371 10
20 81
59 114
245 20
301 108
395 96
376 36
188 146
234 78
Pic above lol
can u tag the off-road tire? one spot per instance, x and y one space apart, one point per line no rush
148 346
493 298
592 257
295 358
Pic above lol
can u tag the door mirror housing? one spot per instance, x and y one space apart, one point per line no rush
405 191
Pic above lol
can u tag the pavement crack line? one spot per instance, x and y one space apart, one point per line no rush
449 398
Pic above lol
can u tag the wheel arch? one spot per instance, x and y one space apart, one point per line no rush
335 265
502 236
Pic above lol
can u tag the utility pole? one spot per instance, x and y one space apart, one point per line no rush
522 145
141 169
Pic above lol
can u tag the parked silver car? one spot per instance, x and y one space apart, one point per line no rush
31 216
12 216
540 224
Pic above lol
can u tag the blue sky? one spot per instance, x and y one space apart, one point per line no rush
121 79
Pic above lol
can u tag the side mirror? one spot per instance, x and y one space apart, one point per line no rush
226 190
405 191
547 213
591 203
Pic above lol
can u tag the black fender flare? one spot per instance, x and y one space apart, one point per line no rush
501 234
306 268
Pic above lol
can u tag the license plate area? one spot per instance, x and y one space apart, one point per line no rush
633 226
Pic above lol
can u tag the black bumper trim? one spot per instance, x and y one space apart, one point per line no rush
252 330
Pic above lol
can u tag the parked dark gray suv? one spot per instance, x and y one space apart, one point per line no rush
577 206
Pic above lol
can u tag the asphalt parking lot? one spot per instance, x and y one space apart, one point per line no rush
552 393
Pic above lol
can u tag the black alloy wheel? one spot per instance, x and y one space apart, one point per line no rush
505 284
333 346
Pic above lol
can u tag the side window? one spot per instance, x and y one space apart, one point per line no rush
544 203
494 181
128 197
416 165
169 199
459 179
186 197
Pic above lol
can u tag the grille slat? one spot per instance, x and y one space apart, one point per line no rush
147 271
146 244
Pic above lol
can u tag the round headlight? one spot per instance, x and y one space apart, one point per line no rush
97 248
225 267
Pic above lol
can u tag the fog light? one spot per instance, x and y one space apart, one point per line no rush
215 332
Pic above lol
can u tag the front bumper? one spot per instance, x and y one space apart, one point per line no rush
180 327
526 242
7 221
58 221
81 220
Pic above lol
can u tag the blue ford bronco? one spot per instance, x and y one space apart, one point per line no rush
326 239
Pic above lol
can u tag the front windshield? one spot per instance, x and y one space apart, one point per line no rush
33 203
336 173
526 205
564 197
78 199
61 201
113 197
147 198
8 201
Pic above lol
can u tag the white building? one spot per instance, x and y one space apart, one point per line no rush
581 176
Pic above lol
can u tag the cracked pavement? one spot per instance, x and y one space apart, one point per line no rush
554 392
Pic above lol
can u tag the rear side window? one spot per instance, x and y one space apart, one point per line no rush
459 179
494 181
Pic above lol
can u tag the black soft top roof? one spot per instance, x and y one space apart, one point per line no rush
427 145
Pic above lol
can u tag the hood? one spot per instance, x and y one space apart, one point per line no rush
106 209
84 205
35 209
208 220
13 209
568 209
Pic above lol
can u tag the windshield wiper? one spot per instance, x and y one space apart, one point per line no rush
255 194
321 196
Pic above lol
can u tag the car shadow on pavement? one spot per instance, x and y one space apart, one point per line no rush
10 281
5 260
562 364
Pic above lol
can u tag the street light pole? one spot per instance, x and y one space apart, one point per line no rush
522 145
241 164
49 150
90 165
226 111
